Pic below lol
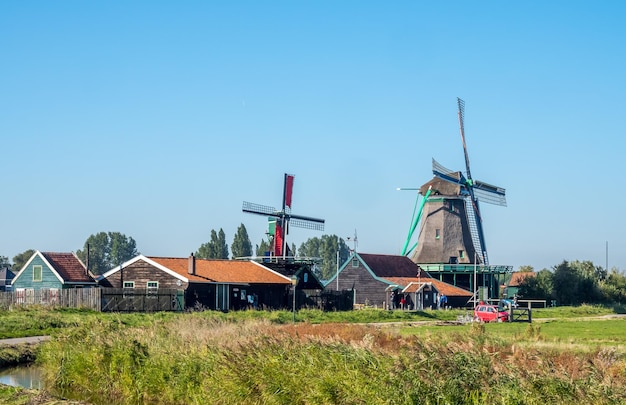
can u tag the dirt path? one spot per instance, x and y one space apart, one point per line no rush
23 340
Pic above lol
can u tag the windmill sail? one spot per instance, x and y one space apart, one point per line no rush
288 190
279 220
472 191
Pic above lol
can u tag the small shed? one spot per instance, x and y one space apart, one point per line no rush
6 276
423 294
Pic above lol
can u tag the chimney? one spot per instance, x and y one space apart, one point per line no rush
192 265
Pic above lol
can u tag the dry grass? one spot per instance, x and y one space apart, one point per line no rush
196 359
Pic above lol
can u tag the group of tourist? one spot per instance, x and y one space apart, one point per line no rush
400 301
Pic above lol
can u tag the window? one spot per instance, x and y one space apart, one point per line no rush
152 289
37 273
355 262
129 287
437 233
461 254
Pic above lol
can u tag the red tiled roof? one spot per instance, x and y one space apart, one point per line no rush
518 277
449 289
390 266
69 267
222 271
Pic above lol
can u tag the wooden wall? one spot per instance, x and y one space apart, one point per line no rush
367 289
49 280
141 272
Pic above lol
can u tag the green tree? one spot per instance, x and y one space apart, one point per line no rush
538 287
4 262
223 247
525 269
216 248
208 250
326 248
107 250
310 248
613 287
565 283
263 247
20 260
589 276
121 248
241 247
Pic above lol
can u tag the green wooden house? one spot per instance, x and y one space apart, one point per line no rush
53 272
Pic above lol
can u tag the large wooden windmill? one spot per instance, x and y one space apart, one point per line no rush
280 220
451 228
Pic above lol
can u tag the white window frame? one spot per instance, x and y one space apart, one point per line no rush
152 292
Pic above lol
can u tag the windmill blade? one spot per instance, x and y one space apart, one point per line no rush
448 175
261 209
287 191
476 228
438 167
461 105
491 194
312 223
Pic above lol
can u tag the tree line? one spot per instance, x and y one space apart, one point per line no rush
108 250
569 283
575 283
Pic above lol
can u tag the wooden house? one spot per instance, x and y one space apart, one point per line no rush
374 277
207 284
52 272
367 276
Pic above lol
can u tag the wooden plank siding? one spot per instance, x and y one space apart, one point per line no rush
367 289
48 279
141 273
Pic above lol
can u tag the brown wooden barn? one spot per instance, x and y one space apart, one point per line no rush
373 277
206 284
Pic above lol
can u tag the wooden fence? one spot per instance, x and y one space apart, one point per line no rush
89 298
142 300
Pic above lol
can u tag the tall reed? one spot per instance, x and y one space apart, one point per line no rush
197 360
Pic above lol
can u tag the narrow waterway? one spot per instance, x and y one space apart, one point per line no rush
22 376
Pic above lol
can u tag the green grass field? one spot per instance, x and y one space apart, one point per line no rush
567 355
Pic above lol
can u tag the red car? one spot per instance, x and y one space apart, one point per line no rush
490 313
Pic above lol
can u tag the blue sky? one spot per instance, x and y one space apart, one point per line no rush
157 119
